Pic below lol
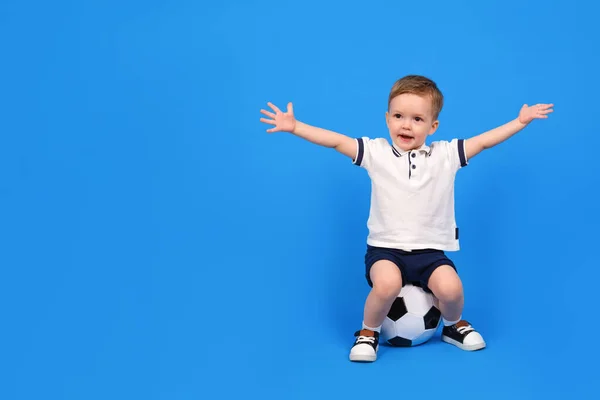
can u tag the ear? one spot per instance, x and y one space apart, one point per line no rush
434 127
387 115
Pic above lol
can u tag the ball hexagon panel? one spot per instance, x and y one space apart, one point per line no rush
417 300
432 318
397 310
412 319
410 326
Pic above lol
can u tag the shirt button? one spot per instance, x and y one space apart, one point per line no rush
414 166
413 155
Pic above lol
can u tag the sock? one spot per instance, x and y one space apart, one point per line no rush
449 323
378 329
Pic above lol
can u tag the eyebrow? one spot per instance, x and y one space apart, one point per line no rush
400 112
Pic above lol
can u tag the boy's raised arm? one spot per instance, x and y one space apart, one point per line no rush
286 122
491 138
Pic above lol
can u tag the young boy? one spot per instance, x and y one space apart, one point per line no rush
411 222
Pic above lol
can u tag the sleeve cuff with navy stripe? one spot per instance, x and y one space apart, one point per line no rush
360 151
461 152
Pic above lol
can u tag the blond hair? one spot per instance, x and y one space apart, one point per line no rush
421 86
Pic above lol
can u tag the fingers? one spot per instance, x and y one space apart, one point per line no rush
538 111
271 122
273 116
268 121
274 107
543 109
290 109
267 113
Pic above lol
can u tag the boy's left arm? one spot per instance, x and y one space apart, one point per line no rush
486 140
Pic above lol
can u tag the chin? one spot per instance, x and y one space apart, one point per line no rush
404 145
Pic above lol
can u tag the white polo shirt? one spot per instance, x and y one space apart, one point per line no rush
412 193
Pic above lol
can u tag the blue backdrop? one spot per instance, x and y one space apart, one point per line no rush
157 243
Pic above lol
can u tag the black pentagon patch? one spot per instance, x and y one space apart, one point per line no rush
432 318
400 342
397 310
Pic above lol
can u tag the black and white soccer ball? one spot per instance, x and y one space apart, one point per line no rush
413 318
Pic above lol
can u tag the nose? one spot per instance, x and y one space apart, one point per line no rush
405 123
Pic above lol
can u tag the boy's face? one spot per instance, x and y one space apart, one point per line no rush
410 120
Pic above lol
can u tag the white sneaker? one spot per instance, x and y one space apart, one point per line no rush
365 347
463 336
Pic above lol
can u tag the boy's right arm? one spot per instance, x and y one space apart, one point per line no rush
285 122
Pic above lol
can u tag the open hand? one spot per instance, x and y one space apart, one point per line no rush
283 121
528 114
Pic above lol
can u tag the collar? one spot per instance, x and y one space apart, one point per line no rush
398 152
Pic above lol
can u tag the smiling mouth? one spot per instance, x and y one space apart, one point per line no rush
405 137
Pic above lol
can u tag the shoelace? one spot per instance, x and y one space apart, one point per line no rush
365 339
464 329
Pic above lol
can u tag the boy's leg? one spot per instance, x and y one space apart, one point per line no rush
447 287
386 281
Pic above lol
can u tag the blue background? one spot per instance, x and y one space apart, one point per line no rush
157 243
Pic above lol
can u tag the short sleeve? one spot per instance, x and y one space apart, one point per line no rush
454 152
361 159
366 151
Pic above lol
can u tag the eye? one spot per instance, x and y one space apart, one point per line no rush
418 119
397 115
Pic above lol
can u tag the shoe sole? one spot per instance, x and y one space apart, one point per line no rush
472 347
363 358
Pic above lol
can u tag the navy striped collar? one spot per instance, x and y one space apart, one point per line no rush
398 152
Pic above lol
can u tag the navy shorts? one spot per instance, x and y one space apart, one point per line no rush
415 266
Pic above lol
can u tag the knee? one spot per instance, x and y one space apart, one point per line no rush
449 292
387 288
446 285
386 278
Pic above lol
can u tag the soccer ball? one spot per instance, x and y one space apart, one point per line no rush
413 318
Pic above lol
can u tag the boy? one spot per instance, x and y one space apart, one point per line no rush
411 222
